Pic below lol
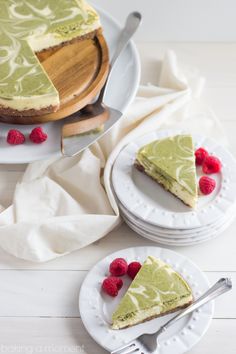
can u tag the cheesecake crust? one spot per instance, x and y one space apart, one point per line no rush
7 111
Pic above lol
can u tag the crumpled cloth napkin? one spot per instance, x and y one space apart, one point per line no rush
61 205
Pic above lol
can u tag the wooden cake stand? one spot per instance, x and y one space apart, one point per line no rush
78 71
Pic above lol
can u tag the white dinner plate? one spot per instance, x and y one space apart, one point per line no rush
149 202
172 241
120 92
96 307
197 232
193 237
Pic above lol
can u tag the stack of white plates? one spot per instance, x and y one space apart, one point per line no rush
159 216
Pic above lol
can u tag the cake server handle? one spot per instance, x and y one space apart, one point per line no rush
221 286
132 23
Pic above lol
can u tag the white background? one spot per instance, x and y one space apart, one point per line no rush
179 20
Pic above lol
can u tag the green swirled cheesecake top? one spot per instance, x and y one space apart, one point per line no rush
28 26
174 159
156 286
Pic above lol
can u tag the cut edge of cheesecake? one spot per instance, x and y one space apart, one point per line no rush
187 196
147 315
142 315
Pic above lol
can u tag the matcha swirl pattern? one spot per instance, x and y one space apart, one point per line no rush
22 22
156 285
173 157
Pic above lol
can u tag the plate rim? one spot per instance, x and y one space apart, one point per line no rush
180 243
181 233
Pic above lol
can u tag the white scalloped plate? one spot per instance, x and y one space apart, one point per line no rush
171 239
149 202
96 308
177 234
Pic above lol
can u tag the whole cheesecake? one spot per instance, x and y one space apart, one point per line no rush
30 26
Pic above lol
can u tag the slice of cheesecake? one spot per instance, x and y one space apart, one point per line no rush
171 163
155 291
27 27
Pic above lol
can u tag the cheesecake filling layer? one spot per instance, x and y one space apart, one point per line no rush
88 23
167 182
157 289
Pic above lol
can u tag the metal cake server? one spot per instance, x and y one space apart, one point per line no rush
97 114
148 344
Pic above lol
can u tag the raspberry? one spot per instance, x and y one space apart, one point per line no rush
118 281
133 269
211 164
38 136
15 137
200 155
112 285
207 185
118 267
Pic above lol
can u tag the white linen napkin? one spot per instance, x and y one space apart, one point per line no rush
61 205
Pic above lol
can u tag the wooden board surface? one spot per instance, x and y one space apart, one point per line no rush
78 71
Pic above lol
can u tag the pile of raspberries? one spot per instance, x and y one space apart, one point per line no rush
37 136
210 164
119 267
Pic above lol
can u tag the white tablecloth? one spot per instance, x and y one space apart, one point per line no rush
65 204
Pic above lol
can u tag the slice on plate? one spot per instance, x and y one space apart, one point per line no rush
171 163
27 27
155 291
